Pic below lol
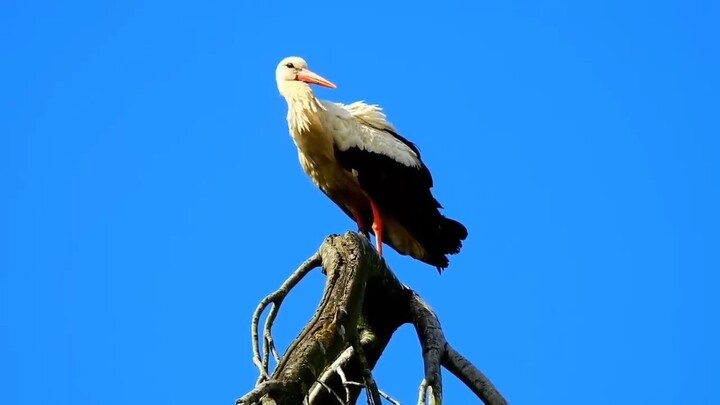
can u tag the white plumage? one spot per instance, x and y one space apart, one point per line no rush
362 125
357 158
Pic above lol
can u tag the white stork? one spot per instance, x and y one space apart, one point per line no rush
372 173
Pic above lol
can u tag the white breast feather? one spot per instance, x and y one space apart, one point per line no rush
355 125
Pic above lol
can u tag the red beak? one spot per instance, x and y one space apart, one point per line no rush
307 76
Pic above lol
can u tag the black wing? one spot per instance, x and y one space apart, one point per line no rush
404 193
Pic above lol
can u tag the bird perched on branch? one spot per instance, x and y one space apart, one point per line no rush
358 159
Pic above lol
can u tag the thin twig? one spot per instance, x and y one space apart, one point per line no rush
335 394
344 380
339 362
370 385
259 391
389 398
382 394
276 299
422 395
428 388
269 343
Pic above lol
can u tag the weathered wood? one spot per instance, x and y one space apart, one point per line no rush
334 323
345 318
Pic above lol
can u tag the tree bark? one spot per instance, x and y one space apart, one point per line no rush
363 304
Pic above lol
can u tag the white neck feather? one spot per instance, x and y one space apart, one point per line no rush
303 106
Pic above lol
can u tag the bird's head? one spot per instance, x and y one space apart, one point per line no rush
292 73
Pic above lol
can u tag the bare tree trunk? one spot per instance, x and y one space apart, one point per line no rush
363 304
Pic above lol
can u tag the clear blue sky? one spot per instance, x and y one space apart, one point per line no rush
151 195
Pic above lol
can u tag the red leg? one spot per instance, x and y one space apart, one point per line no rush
377 226
358 220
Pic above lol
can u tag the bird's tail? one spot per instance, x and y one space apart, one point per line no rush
451 235
447 240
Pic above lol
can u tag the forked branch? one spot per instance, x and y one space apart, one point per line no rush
333 357
276 300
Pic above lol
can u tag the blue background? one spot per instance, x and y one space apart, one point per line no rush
151 194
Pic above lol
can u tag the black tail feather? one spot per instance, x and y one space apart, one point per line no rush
446 240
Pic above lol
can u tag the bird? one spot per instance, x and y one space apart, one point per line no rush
357 158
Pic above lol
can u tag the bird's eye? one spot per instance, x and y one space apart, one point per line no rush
290 65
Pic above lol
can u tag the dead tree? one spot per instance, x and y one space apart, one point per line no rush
332 359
